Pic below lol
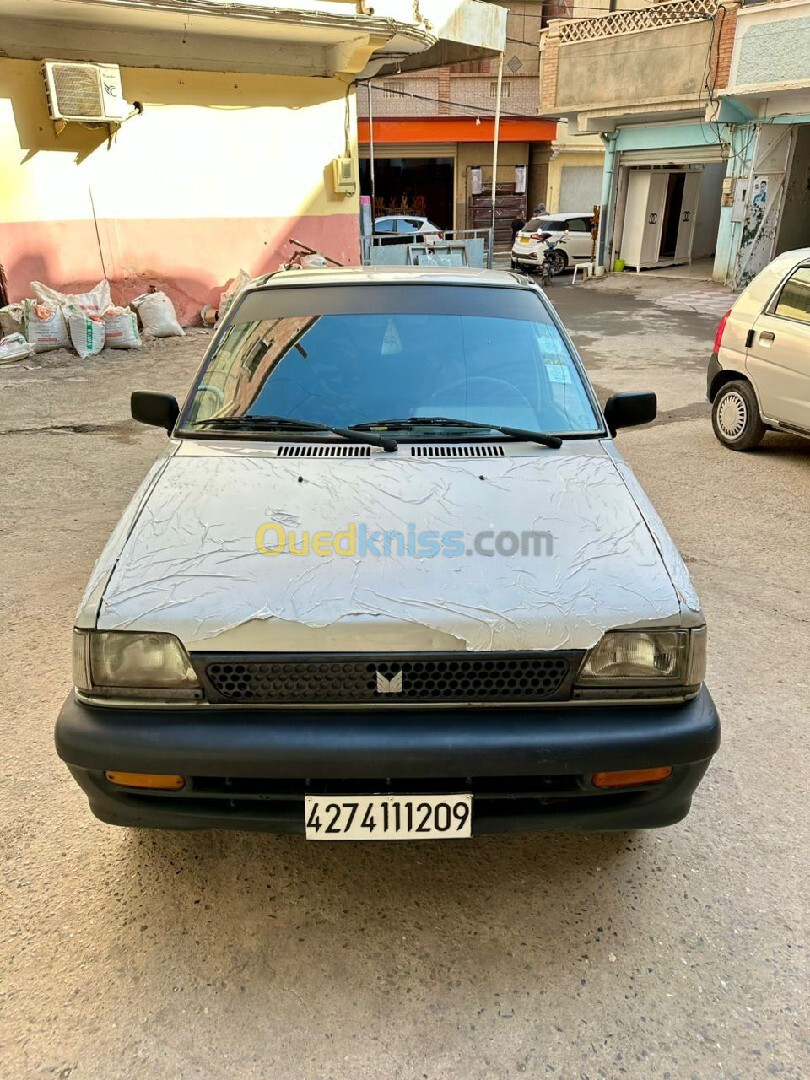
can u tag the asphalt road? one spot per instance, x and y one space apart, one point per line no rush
679 954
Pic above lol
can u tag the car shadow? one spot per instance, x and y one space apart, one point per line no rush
376 890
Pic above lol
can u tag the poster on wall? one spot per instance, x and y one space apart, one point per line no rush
477 178
759 192
520 179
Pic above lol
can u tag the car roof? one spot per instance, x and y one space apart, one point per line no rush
401 217
395 275
760 289
564 217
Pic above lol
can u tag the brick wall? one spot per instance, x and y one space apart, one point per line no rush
549 69
725 29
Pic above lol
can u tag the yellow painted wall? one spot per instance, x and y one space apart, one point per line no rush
565 160
215 175
207 145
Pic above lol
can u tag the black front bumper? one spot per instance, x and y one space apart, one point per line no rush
528 768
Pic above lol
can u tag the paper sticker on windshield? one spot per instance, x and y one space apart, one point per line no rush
392 345
558 373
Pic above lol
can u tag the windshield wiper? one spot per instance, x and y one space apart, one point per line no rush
554 441
289 423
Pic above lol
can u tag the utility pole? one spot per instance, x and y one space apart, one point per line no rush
495 148
371 155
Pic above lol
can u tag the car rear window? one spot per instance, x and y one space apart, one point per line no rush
794 300
342 355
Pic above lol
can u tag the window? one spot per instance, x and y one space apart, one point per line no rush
390 90
347 355
578 224
408 225
385 224
794 300
506 90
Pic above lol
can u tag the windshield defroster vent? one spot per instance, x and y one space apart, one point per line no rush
324 450
463 450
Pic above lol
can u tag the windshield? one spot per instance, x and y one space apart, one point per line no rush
345 355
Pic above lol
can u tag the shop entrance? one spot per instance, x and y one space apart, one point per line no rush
419 186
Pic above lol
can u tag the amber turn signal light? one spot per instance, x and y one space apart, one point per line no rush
155 781
631 777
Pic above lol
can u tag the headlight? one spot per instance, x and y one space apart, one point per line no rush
124 664
647 660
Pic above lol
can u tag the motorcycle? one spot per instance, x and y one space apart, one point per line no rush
554 262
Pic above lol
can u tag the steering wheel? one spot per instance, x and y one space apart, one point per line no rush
513 392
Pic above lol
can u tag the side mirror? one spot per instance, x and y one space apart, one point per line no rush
159 410
628 410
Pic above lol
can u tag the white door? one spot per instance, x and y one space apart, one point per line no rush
654 219
689 207
579 242
773 155
635 207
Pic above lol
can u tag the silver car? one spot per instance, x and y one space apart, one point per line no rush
391 580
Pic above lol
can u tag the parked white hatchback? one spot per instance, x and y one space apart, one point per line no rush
406 228
391 580
572 234
759 371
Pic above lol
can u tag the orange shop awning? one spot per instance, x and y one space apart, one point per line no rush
450 129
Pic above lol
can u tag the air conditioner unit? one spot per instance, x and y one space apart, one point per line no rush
343 175
90 93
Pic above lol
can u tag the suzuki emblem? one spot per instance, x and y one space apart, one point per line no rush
389 686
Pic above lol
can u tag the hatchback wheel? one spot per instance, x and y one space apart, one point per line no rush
559 261
735 417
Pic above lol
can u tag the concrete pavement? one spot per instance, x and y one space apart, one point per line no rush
676 954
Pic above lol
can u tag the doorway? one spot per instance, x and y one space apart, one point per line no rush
672 215
423 187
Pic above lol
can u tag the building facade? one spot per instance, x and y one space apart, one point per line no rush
432 135
707 149
664 164
233 117
766 105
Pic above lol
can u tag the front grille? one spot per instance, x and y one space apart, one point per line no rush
436 678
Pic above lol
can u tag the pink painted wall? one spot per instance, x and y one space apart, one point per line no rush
192 260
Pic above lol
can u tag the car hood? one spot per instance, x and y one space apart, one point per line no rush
184 559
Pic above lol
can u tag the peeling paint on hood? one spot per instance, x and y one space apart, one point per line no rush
188 563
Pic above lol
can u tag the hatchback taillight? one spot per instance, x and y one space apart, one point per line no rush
440 236
540 235
718 337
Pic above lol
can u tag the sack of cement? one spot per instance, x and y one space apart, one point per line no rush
86 332
158 317
12 320
14 347
94 302
121 328
45 326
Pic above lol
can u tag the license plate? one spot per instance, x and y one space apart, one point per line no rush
388 817
525 239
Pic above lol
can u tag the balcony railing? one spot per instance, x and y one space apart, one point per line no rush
629 22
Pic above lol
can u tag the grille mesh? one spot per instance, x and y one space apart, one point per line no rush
440 678
463 450
323 450
78 90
